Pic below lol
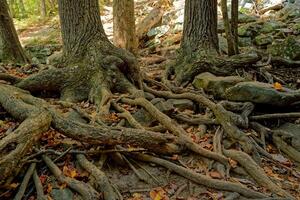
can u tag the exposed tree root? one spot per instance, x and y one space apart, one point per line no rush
187 68
100 181
255 171
85 190
200 179
222 116
177 130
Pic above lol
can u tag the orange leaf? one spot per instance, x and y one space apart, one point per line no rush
14 185
158 194
49 188
277 86
215 174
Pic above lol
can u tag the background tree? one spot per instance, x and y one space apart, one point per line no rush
124 25
228 28
10 49
200 37
43 8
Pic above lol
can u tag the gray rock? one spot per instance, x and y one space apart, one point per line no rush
243 18
261 93
216 85
158 31
294 130
62 194
181 104
223 44
245 41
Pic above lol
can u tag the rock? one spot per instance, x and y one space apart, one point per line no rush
158 31
243 18
216 85
288 48
270 26
261 93
181 104
62 194
223 45
249 30
263 40
294 130
245 41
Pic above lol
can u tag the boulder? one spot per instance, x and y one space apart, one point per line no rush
294 131
249 30
262 93
244 18
288 48
263 40
271 26
216 85
245 41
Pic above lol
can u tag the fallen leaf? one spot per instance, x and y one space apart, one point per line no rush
277 86
215 174
14 185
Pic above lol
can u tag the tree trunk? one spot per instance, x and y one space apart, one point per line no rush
200 26
227 26
22 9
43 8
12 8
124 25
80 26
234 24
10 49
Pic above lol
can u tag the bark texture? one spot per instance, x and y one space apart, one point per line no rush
10 46
200 25
124 25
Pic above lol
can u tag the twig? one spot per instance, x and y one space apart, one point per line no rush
25 181
38 186
63 154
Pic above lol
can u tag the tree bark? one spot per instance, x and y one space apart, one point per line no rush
22 9
234 24
11 49
227 26
124 25
43 8
80 26
200 26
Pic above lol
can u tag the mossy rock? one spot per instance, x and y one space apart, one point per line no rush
249 30
244 18
245 41
271 26
263 40
288 48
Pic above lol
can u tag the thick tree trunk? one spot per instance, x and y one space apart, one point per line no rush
200 26
10 48
124 25
80 26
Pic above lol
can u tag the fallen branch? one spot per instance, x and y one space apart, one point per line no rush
275 116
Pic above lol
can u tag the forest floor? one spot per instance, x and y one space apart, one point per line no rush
132 178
